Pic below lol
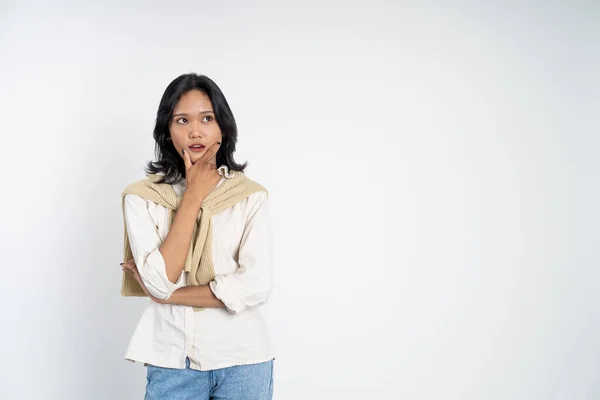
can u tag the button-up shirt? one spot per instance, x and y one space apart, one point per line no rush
242 256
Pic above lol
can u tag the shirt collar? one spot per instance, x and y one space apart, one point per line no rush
224 172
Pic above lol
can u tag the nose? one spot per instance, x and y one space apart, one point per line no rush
195 130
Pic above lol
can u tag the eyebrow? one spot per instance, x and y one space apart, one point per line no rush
185 115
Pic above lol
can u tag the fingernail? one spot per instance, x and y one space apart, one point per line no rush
121 264
183 151
219 143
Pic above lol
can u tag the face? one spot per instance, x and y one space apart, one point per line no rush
193 126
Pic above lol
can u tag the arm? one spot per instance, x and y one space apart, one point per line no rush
202 177
191 296
195 296
145 241
251 284
174 249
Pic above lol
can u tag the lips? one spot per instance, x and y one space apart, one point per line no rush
196 148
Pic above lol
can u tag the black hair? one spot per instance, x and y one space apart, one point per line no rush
168 161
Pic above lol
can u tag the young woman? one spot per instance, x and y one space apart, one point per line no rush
198 244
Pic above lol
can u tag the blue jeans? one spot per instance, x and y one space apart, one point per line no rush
243 382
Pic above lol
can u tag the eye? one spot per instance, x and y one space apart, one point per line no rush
208 118
181 119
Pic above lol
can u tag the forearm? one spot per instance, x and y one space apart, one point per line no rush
175 247
195 296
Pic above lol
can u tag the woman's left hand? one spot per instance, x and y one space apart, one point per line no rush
130 265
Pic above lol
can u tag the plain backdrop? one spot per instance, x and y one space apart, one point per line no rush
433 170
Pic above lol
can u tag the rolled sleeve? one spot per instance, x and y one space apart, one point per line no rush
251 284
145 241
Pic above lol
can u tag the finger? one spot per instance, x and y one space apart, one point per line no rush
210 155
187 161
129 267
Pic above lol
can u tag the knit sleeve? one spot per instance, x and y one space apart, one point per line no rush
251 284
145 241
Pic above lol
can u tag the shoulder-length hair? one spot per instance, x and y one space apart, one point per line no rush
168 161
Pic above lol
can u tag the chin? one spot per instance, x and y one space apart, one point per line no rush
196 156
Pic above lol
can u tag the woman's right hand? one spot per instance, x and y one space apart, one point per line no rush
202 176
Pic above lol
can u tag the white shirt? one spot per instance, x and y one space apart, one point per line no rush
242 256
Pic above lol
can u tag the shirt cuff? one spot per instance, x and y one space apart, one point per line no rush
233 303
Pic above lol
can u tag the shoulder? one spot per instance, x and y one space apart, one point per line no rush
251 185
256 194
144 183
135 186
134 202
147 185
132 194
258 198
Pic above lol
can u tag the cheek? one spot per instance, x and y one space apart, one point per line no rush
178 136
217 133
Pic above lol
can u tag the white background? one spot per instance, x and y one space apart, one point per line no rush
433 171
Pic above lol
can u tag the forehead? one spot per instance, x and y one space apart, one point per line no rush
193 101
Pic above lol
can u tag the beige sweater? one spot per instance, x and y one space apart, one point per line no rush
198 265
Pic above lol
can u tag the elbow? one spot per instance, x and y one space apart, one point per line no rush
162 294
159 283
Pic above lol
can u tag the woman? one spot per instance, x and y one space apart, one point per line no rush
198 244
